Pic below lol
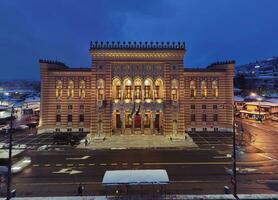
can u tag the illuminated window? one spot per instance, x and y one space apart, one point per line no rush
128 92
100 89
215 89
137 92
158 91
148 89
59 89
174 90
192 89
116 89
70 89
82 89
203 88
147 92
127 89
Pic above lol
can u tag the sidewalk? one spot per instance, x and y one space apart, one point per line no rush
138 141
167 197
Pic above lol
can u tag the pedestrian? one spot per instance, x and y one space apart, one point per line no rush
80 190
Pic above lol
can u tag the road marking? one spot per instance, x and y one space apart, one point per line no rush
103 164
36 165
114 164
191 163
92 164
82 158
47 165
67 171
58 165
81 164
69 164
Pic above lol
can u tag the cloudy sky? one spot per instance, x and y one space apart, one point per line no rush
244 30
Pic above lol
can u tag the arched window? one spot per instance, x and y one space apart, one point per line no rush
137 89
192 89
174 90
148 88
59 88
127 89
203 88
82 89
158 90
100 89
116 89
70 89
214 88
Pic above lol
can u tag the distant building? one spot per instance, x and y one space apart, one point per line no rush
261 76
259 110
136 88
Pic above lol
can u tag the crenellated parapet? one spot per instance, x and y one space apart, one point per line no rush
54 62
138 45
226 62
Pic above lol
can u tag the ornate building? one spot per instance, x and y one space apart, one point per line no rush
136 88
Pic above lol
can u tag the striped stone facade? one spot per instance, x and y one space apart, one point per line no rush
136 88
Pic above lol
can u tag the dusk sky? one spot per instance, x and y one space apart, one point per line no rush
243 30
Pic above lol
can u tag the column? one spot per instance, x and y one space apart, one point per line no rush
142 121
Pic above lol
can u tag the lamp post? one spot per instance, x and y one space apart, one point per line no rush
234 175
10 158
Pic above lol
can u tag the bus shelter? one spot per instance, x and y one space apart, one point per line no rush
140 182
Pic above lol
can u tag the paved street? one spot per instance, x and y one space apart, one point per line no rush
59 170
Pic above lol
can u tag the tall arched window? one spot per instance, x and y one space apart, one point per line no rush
100 89
215 88
158 90
70 89
59 88
192 89
137 89
203 88
82 89
116 89
127 89
148 84
174 90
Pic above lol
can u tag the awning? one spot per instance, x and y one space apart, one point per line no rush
253 112
135 177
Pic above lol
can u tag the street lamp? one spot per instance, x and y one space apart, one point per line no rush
10 158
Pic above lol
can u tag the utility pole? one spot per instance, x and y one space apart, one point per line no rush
234 177
10 157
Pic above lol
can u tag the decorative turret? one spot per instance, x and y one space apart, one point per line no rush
138 45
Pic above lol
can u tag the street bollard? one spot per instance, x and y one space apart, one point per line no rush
227 190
